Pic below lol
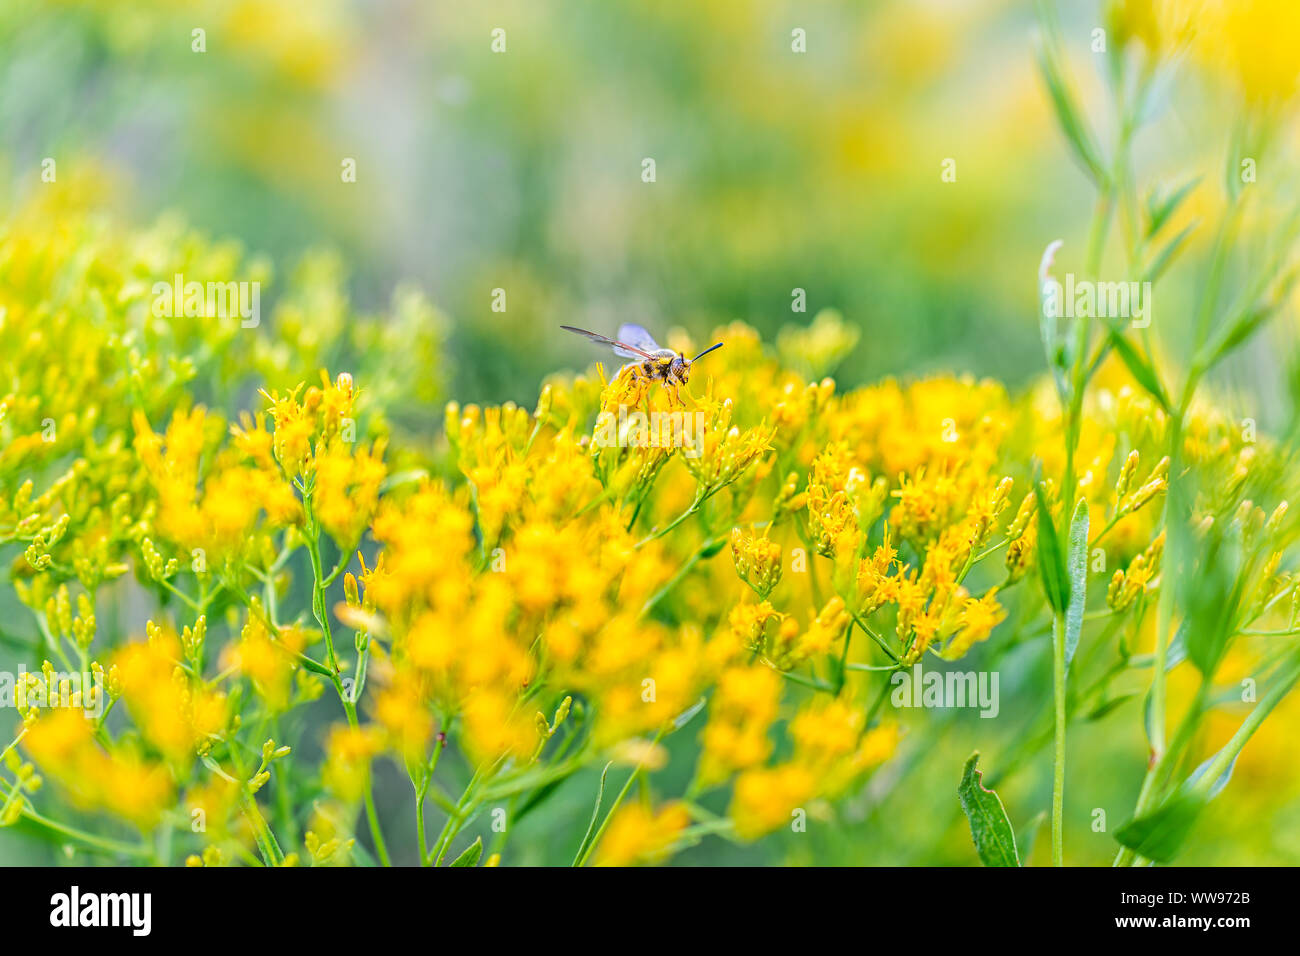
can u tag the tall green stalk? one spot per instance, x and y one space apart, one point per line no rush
1058 763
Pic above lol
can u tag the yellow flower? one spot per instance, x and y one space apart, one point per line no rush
757 560
268 663
976 622
638 835
1257 41
346 493
743 708
767 798
348 754
826 629
174 714
62 743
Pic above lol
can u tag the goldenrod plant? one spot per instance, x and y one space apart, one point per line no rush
273 600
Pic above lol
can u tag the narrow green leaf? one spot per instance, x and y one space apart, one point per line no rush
685 717
1216 787
1077 567
403 478
1160 207
1166 255
471 854
595 815
1212 601
1140 368
1029 834
989 827
713 548
1175 654
1069 116
1159 835
1051 560
540 795
1238 333
1246 319
1107 706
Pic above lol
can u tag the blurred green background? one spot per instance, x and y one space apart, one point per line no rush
522 170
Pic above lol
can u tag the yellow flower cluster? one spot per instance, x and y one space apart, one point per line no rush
546 595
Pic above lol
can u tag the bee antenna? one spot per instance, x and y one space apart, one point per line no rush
706 352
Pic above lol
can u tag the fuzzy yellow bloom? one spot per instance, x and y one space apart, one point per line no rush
639 835
62 744
346 492
174 714
268 663
348 753
736 736
826 628
767 798
1256 40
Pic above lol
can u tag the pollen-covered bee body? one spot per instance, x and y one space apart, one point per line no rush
667 366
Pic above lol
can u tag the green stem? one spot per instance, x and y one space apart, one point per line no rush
98 843
419 825
319 608
627 785
695 507
684 570
1058 764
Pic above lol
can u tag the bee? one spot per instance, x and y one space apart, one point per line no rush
657 364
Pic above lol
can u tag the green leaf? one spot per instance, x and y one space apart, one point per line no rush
1247 318
989 827
1140 368
1238 332
1106 706
540 795
685 717
1051 559
1175 654
471 854
1211 602
1159 835
595 815
1161 207
1069 116
1029 834
1215 787
713 547
1077 567
402 478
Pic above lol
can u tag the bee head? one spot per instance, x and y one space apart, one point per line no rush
679 370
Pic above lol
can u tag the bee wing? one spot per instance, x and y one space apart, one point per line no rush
637 337
622 349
